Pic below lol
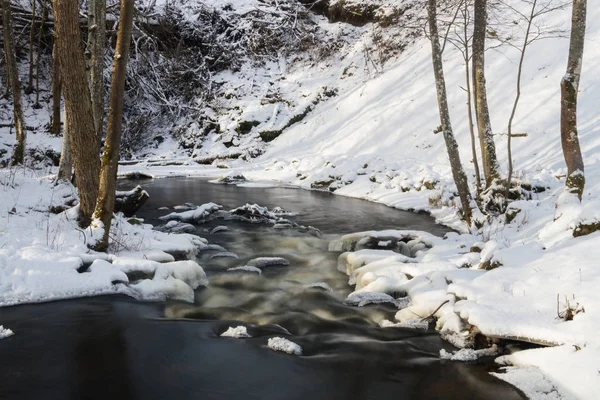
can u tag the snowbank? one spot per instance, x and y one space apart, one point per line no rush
45 256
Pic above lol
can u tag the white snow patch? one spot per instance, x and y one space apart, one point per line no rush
237 332
468 354
5 332
246 268
284 345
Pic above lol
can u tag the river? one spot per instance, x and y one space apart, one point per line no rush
113 347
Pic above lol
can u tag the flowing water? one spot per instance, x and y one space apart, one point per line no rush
116 348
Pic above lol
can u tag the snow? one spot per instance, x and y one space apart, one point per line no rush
199 214
237 332
284 345
246 268
412 324
363 299
374 140
264 262
5 332
534 384
42 254
468 354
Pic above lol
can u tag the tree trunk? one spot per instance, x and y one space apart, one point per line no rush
568 113
29 88
517 96
56 92
95 59
79 119
110 158
14 82
467 57
39 52
482 113
65 167
460 179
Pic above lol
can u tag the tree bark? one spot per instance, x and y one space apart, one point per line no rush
482 113
110 157
95 59
467 58
14 82
79 119
568 115
56 92
460 179
39 52
65 167
29 88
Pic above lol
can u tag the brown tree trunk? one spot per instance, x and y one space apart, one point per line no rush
39 52
467 58
29 88
482 113
95 59
460 179
14 82
56 92
79 119
110 158
568 114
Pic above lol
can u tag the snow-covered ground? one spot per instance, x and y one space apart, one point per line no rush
372 138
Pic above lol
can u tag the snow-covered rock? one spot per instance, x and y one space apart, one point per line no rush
237 332
284 345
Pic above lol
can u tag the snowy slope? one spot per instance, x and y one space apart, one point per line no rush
374 139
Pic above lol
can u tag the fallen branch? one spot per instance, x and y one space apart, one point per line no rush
436 310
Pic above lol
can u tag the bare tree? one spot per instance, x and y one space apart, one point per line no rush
39 52
56 91
568 115
460 179
95 59
14 83
83 141
110 158
461 40
29 88
65 166
486 138
531 31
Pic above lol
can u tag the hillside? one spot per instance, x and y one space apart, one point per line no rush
354 113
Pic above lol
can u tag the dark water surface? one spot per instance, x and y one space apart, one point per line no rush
113 347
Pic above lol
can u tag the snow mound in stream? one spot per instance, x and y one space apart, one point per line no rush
5 332
284 345
237 332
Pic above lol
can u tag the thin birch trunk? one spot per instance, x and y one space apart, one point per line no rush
65 167
467 57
